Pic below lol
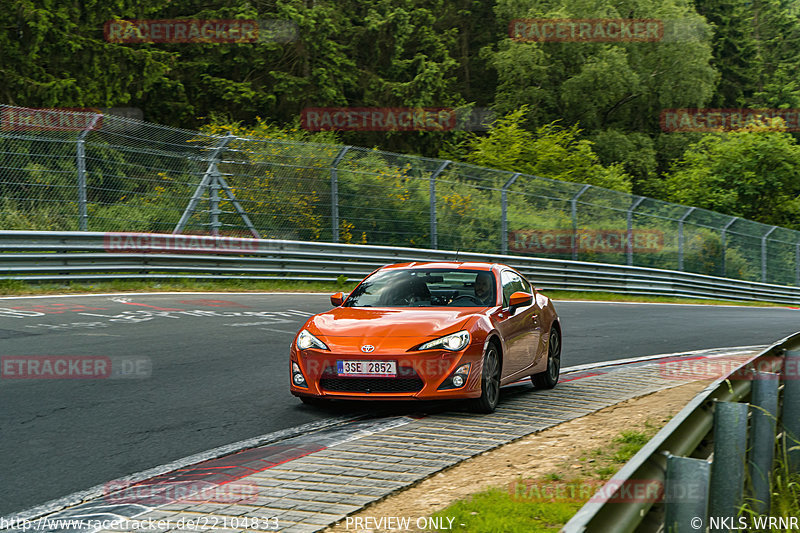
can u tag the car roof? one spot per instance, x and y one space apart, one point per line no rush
443 264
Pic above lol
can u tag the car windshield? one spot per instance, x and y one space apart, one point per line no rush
425 288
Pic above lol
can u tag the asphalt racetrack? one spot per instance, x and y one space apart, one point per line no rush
195 371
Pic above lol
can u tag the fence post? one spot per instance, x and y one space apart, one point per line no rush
229 192
763 421
727 469
797 263
574 215
504 213
724 244
209 175
685 494
764 254
434 231
213 202
335 193
790 410
680 236
630 228
80 160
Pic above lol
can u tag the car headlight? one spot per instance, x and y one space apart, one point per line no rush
306 340
454 342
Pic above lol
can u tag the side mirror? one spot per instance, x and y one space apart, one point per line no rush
337 299
520 299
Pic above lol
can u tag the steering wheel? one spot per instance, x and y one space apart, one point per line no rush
469 297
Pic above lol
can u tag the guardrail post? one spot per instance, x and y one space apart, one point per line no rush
685 494
680 236
764 254
727 469
504 213
790 411
630 228
434 231
763 422
573 207
724 244
335 193
80 160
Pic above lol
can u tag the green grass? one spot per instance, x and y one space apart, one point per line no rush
20 288
785 500
494 511
548 502
629 443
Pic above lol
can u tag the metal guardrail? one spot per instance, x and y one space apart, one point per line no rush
36 256
690 433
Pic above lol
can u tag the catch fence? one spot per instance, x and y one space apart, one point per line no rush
81 171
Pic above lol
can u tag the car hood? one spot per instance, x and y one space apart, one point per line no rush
373 323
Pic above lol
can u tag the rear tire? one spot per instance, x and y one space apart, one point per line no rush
490 382
549 378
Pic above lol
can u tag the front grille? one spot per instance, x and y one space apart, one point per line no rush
407 381
371 384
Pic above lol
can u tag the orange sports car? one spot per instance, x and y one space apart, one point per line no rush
429 331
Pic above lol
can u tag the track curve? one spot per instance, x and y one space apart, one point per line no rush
213 371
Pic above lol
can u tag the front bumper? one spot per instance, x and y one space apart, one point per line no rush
419 375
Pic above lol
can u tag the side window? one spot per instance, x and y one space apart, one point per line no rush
512 283
526 286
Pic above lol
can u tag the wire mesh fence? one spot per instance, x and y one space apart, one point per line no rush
79 170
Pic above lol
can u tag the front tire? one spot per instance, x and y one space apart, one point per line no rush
490 382
549 378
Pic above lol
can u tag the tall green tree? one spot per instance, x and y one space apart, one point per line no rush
551 151
54 54
610 89
756 51
754 174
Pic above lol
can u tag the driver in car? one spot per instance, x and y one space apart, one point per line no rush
483 288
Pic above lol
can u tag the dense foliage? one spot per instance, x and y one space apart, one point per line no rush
578 111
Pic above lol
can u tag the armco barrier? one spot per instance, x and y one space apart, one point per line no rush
712 425
37 256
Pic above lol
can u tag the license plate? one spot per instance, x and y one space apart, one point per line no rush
383 369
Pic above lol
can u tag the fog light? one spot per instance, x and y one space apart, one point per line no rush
457 379
297 376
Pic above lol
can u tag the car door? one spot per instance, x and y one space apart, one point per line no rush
519 327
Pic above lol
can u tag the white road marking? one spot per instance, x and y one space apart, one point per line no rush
278 330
